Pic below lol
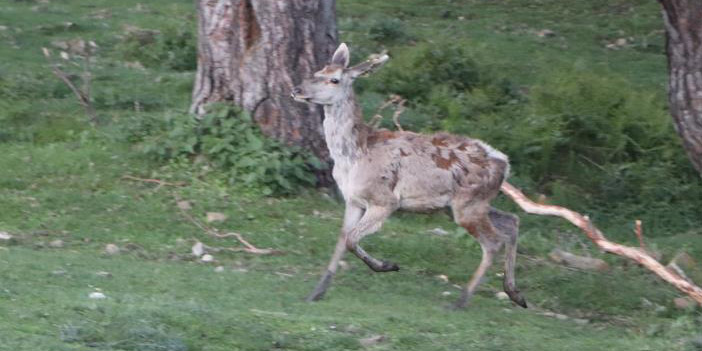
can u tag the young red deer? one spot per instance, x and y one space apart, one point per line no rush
380 171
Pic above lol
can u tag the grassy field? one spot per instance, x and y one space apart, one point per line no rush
64 197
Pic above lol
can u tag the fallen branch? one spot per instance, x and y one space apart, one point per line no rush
215 233
639 234
82 95
156 181
597 237
399 103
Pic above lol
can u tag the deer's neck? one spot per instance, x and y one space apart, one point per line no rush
344 131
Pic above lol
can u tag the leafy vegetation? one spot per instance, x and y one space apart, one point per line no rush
227 138
584 124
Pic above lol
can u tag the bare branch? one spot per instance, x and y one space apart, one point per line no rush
399 103
639 234
597 237
82 95
156 181
215 233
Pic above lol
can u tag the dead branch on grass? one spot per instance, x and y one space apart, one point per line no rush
399 103
596 236
83 94
211 231
155 181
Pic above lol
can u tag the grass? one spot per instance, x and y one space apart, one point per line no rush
62 180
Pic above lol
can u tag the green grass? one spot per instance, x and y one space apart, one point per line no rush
60 179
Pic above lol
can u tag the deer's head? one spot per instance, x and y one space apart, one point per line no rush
333 82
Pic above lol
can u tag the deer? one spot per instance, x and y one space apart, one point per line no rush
379 171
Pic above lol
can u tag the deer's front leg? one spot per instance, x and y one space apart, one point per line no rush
351 216
370 223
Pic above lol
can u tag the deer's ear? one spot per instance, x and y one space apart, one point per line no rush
341 56
373 63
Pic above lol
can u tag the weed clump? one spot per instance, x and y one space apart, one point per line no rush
227 138
172 47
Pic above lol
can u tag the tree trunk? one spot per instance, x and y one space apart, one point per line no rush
251 52
683 23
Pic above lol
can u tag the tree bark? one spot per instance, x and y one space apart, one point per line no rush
683 23
251 52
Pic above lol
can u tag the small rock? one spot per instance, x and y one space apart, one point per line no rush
620 42
134 65
683 303
446 293
3 28
184 205
545 33
561 316
581 321
198 249
443 278
5 236
96 295
58 243
103 274
579 262
216 217
219 269
501 295
373 340
438 231
683 259
111 249
352 328
207 258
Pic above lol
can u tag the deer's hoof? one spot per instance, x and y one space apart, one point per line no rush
389 267
458 305
517 298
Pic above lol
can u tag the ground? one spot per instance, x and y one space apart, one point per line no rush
65 181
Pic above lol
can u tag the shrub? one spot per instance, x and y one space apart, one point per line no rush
230 140
173 47
415 73
585 121
388 30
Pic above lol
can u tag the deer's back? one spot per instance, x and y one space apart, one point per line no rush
424 172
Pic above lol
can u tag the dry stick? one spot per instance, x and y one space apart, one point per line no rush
398 111
156 181
81 96
213 232
584 223
392 99
639 234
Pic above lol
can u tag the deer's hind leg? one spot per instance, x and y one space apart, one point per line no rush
474 217
507 224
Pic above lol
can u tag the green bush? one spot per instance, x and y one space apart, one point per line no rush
584 121
388 31
415 73
448 83
230 140
173 47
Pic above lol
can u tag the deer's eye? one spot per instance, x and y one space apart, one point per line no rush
334 81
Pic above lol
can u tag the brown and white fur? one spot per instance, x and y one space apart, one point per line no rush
381 171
